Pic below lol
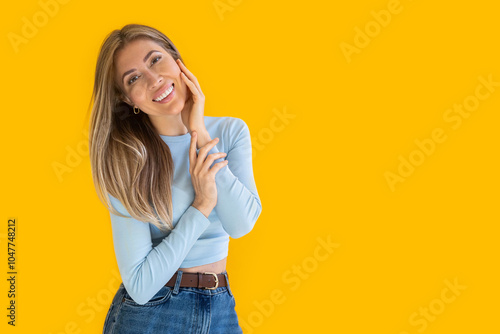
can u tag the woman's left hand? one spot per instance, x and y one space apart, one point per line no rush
192 113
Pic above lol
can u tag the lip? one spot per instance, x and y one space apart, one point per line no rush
163 90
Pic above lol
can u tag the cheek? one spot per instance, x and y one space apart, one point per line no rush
137 94
174 69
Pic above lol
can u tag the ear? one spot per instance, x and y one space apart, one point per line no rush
125 99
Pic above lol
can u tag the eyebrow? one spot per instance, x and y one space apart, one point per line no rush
144 60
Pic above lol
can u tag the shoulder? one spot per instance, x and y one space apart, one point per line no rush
227 128
223 124
117 205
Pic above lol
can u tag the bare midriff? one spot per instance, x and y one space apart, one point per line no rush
214 267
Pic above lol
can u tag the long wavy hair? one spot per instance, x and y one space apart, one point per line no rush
128 158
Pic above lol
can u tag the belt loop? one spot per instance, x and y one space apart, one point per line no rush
227 284
199 280
177 282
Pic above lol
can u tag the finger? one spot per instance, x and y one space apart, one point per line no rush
203 153
192 152
185 70
207 147
210 159
217 167
188 73
190 84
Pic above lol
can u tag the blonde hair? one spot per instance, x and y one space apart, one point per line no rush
128 158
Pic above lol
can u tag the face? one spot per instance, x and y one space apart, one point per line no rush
145 72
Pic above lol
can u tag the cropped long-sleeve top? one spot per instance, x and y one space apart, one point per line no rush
147 257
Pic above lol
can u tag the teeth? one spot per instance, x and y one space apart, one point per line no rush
164 95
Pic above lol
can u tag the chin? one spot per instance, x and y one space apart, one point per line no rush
173 108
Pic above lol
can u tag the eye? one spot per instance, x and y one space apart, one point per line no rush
132 79
155 60
135 77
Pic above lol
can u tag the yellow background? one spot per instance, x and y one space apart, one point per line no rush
320 173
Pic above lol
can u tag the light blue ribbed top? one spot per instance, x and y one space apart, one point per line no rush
147 258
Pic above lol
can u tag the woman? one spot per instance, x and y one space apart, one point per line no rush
175 195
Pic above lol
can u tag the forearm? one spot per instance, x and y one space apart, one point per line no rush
237 207
238 203
203 137
145 269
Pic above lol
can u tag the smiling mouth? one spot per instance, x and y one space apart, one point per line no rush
165 94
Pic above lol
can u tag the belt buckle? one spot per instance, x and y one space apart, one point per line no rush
216 281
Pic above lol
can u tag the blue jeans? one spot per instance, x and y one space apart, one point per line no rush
174 310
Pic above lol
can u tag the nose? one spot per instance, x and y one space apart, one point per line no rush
156 80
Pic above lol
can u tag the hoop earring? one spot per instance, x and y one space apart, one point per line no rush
139 110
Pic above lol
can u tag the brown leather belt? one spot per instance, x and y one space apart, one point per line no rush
206 280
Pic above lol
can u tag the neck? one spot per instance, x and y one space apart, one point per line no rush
169 125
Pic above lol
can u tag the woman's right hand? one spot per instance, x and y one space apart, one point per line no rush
202 176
